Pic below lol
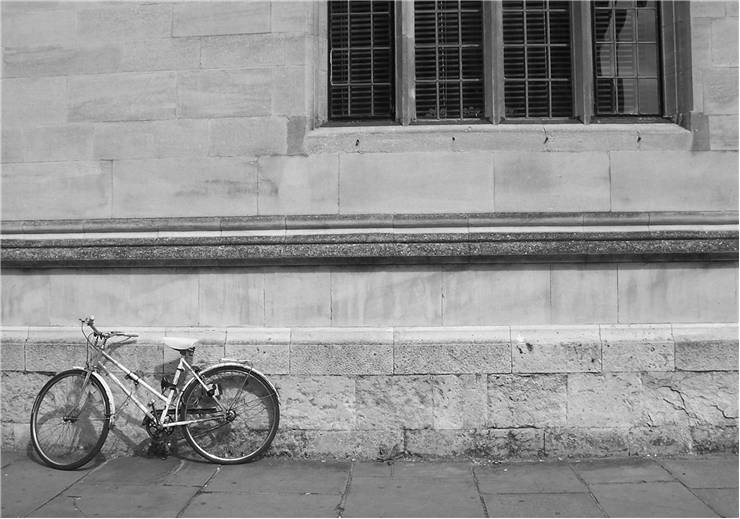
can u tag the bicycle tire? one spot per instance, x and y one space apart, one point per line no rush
64 437
240 437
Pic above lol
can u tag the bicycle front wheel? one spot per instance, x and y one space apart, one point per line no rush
70 419
235 416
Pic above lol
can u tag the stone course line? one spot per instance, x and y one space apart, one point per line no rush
345 493
201 490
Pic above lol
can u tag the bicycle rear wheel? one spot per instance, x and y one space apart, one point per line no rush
70 419
238 414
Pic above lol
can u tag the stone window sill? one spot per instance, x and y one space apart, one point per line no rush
501 137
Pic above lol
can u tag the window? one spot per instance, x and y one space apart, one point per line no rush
509 61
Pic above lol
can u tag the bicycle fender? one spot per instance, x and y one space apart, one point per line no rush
106 388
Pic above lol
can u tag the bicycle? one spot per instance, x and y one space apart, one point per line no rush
229 412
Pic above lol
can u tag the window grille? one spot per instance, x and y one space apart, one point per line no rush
626 58
361 59
537 59
449 59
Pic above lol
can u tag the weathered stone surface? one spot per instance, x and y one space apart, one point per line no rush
720 91
492 295
161 54
555 349
290 16
357 444
527 401
706 348
123 97
243 51
12 145
29 102
61 60
637 348
673 180
42 27
398 296
587 441
12 349
603 400
231 297
723 132
25 298
341 359
204 187
415 182
151 139
289 91
725 42
582 294
298 297
224 93
394 402
452 358
299 185
708 9
663 440
125 22
268 349
252 136
19 391
210 18
58 143
489 443
708 439
544 181
689 292
322 403
459 401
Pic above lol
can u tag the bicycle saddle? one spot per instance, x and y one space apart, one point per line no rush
179 343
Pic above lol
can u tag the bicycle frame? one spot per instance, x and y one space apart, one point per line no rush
167 399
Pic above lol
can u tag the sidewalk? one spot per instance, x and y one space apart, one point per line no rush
279 487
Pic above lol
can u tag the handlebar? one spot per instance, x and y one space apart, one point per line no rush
90 321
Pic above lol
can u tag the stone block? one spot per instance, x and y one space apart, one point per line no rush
243 51
720 91
12 348
299 185
459 401
604 400
36 101
71 295
582 294
711 439
38 27
723 132
214 186
355 444
555 349
527 401
415 182
496 295
637 348
665 440
61 60
151 139
691 292
452 358
298 297
398 296
126 22
606 137
544 181
269 358
59 143
489 443
253 136
12 145
212 18
587 441
320 403
394 402
161 54
71 190
725 42
706 348
674 181
224 93
19 391
25 298
231 297
162 298
707 9
289 91
123 97
341 359
290 16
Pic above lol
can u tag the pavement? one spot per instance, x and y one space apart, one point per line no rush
702 486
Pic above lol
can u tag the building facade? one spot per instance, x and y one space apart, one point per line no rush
482 228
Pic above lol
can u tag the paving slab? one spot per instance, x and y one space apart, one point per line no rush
705 472
9 457
283 476
542 505
137 471
621 471
407 497
724 501
218 504
528 478
106 500
26 485
423 470
654 499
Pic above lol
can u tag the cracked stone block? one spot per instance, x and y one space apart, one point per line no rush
394 402
459 401
604 400
555 349
526 400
